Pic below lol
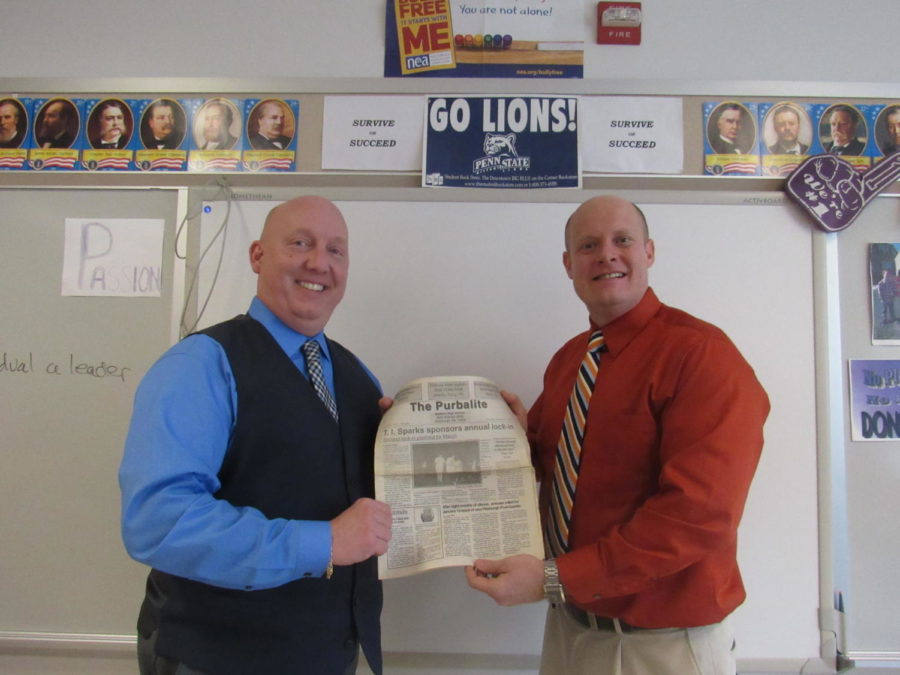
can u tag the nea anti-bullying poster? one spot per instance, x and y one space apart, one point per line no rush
501 142
484 38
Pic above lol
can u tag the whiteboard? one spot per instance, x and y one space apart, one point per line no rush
478 288
63 568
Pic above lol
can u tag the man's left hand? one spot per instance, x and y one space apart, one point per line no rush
510 581
518 408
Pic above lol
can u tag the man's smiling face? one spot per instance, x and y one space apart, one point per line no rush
607 257
302 259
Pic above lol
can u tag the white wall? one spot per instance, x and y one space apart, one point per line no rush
695 40
438 288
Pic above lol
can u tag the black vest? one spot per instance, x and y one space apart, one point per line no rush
288 459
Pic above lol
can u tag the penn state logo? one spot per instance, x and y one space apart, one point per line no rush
500 155
500 144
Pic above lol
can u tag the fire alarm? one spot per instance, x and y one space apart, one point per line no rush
619 23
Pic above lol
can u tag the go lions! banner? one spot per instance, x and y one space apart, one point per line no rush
501 142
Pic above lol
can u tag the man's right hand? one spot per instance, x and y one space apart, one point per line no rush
360 532
509 581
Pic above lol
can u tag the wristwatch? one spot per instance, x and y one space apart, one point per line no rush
553 588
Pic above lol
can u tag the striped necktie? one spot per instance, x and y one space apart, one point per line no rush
568 450
310 351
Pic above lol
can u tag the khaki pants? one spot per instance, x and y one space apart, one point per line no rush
573 649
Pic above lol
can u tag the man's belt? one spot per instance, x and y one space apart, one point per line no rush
595 622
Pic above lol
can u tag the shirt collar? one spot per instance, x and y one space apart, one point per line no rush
287 338
620 332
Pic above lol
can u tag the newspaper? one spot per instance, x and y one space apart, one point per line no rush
453 462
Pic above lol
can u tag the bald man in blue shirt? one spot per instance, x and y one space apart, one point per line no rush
247 487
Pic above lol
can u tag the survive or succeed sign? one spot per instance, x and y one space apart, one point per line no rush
373 133
633 134
501 142
484 38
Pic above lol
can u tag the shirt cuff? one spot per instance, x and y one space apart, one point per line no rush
315 548
578 574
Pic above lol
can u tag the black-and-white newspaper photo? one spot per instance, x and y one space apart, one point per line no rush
453 462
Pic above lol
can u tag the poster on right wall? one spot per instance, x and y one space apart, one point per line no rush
885 287
874 400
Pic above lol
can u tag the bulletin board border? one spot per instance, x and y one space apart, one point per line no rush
311 92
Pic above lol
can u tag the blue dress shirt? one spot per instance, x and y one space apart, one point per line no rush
184 414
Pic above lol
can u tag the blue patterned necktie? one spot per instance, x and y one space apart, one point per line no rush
310 351
568 450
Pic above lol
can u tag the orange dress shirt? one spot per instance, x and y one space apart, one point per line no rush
674 434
